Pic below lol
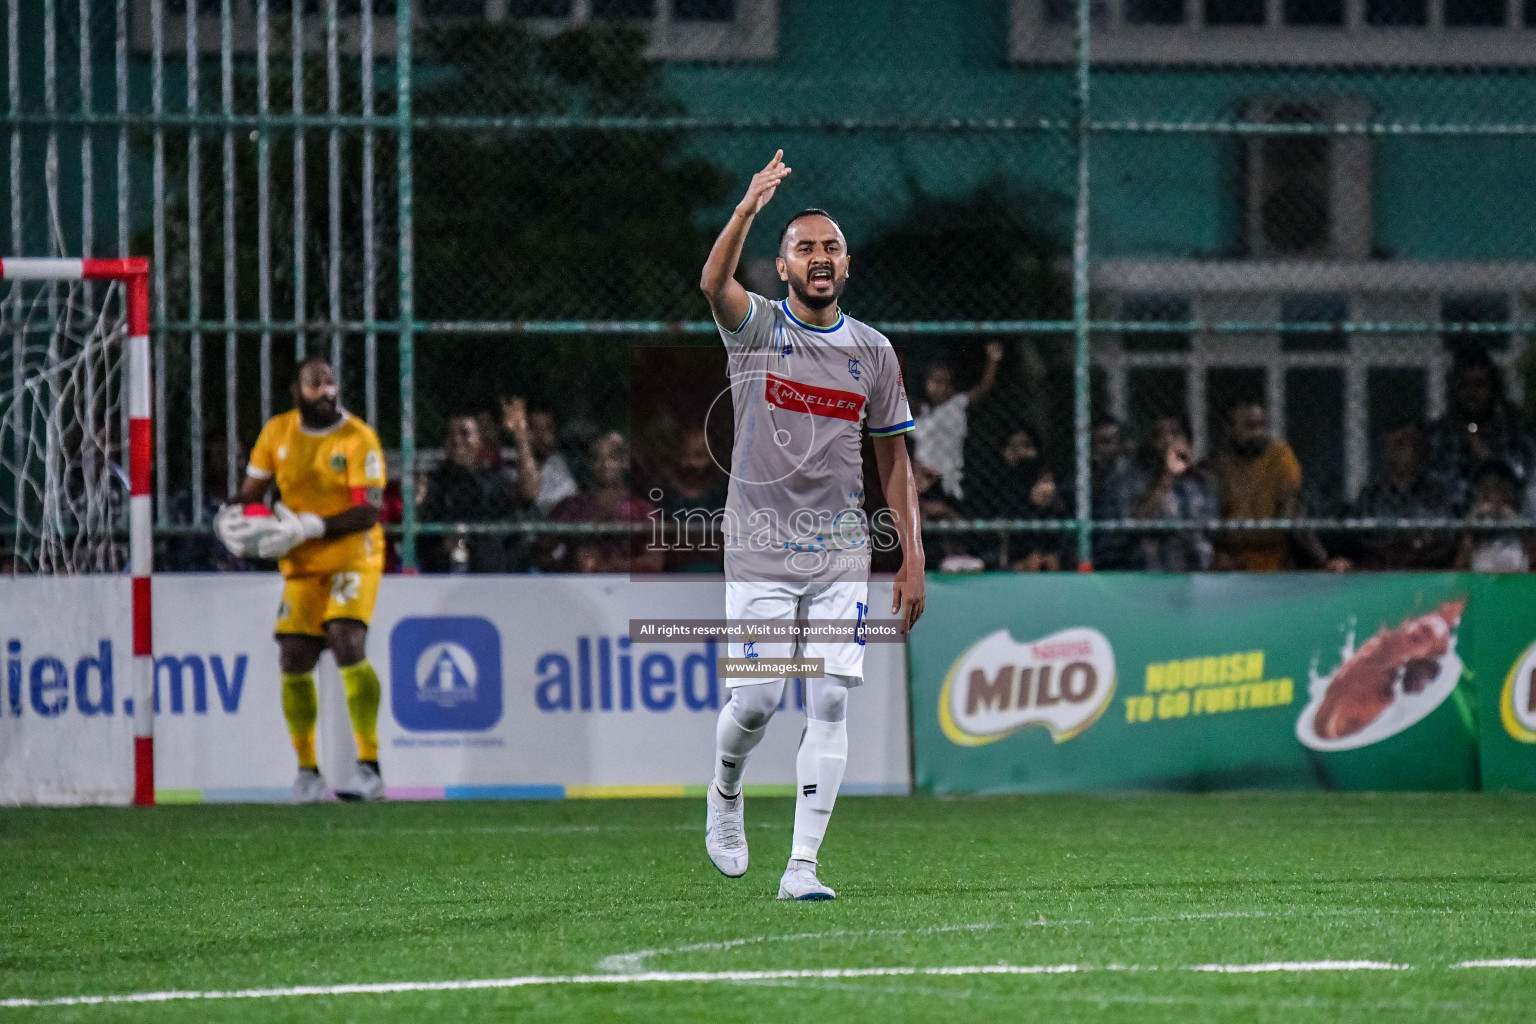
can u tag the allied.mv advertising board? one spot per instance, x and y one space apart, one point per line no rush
494 686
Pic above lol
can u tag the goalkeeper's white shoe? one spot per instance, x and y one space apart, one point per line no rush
725 833
309 788
800 883
366 785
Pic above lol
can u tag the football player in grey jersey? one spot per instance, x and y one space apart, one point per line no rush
805 382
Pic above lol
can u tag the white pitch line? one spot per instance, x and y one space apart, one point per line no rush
675 977
1513 962
629 963
632 963
1293 966
635 961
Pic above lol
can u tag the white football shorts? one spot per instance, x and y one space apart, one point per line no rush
844 601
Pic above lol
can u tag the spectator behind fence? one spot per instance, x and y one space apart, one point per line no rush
1403 489
1013 482
556 481
692 501
1162 483
1482 424
463 489
604 498
1108 445
941 422
1497 487
946 552
1107 449
1255 476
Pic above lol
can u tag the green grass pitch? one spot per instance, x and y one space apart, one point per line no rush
116 901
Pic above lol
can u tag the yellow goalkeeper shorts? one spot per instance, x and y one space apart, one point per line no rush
309 602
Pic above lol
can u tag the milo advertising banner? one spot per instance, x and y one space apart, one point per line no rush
1059 682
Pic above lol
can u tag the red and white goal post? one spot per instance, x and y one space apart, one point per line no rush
67 440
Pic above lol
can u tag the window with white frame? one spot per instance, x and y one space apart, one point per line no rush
1306 194
1344 33
679 29
1329 392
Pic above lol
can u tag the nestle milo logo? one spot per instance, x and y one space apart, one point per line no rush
1517 702
999 685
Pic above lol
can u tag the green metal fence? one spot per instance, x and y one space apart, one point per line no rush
1162 208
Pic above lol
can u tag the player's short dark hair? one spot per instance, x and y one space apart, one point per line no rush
313 358
811 211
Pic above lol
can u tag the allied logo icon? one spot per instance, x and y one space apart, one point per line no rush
445 674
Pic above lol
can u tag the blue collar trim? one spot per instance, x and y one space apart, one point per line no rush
812 327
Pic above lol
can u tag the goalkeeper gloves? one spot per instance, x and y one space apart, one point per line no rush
289 529
239 532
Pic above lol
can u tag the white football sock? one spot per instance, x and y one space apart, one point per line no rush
820 763
739 729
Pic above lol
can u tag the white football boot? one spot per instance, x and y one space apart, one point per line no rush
800 883
367 784
725 833
310 788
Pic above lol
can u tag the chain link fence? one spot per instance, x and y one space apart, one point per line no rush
1242 284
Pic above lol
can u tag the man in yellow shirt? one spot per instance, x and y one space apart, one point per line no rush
1258 477
328 469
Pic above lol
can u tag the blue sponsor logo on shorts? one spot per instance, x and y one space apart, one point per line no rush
445 674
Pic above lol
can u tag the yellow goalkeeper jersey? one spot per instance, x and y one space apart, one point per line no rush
324 472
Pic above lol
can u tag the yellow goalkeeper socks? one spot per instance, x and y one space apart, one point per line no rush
361 683
301 708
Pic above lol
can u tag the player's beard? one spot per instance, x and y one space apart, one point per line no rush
321 413
817 302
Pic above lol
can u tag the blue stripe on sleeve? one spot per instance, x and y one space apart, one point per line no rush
741 328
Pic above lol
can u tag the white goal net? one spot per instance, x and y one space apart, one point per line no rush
64 435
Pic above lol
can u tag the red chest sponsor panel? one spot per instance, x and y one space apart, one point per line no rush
797 397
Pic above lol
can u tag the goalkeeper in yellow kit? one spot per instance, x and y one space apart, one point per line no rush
328 469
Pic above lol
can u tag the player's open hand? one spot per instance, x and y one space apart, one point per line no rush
764 184
908 597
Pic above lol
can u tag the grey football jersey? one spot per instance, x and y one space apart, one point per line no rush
801 397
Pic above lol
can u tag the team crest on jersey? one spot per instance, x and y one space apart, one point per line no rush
339 462
853 368
373 468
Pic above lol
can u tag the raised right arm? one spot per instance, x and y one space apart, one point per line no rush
728 300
